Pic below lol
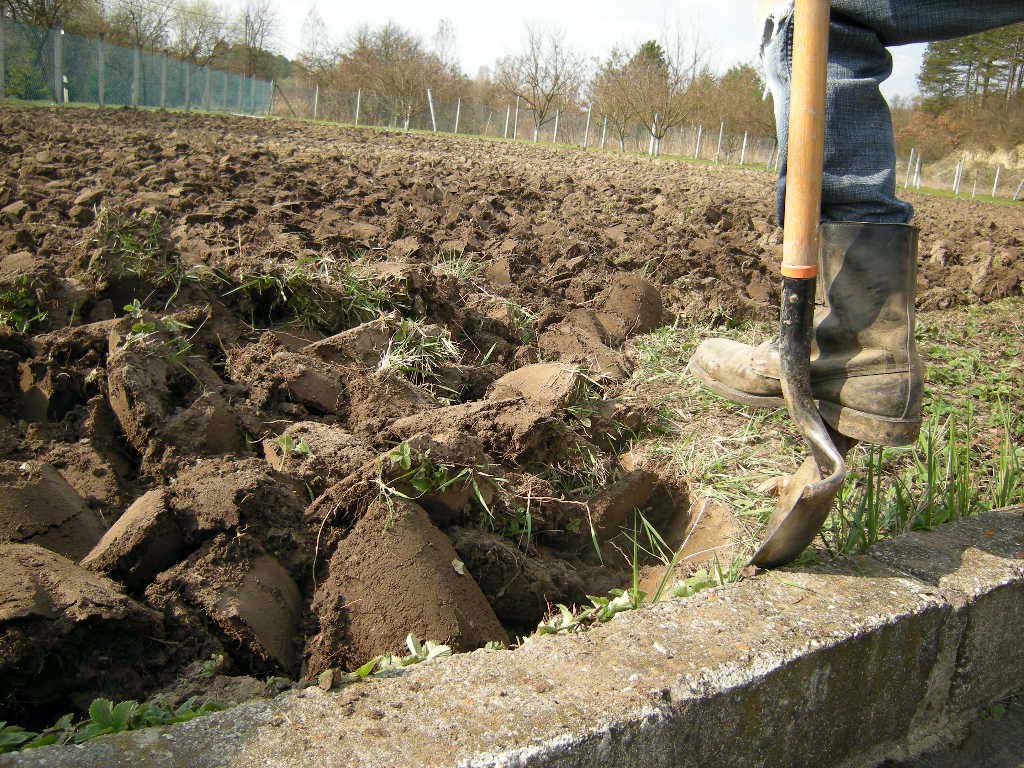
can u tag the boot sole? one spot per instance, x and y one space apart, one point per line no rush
861 426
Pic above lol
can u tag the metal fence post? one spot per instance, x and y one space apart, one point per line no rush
188 86
508 116
101 74
58 65
974 189
721 135
1017 193
163 81
433 119
316 100
458 113
586 129
241 88
995 184
3 70
604 131
917 173
700 135
554 136
743 149
136 75
515 123
252 95
270 101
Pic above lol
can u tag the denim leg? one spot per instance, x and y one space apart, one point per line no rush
859 181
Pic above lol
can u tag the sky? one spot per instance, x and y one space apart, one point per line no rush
485 31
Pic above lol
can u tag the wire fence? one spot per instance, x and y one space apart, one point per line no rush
584 127
967 178
38 64
588 128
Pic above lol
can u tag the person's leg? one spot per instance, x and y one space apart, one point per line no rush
865 370
859 182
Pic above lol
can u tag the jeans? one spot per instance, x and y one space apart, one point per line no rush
859 182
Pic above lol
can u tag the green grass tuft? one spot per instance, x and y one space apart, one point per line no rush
21 304
104 718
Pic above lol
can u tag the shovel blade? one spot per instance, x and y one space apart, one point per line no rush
803 506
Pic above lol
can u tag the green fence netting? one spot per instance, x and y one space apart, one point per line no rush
39 64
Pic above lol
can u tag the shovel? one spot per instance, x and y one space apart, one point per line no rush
807 496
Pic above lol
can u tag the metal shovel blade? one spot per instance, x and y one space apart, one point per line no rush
804 504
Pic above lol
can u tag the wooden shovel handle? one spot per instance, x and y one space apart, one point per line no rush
805 155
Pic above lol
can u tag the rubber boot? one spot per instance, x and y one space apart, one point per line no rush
865 371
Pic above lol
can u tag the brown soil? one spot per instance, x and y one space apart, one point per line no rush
222 460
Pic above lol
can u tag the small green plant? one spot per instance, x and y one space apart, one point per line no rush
422 476
712 576
157 336
20 304
289 447
13 736
519 527
419 653
104 718
601 609
417 352
211 667
524 322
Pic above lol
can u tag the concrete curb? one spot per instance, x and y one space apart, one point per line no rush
877 656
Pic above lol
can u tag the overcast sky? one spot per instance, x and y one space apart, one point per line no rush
486 30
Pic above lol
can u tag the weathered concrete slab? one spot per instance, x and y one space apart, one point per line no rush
845 666
978 566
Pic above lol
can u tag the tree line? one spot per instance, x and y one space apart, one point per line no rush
659 84
971 89
971 95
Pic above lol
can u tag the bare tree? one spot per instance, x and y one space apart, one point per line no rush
546 76
317 55
256 28
43 13
140 22
445 46
611 91
197 30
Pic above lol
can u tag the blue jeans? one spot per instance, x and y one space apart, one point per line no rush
859 182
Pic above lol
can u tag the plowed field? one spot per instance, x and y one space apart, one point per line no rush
275 395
